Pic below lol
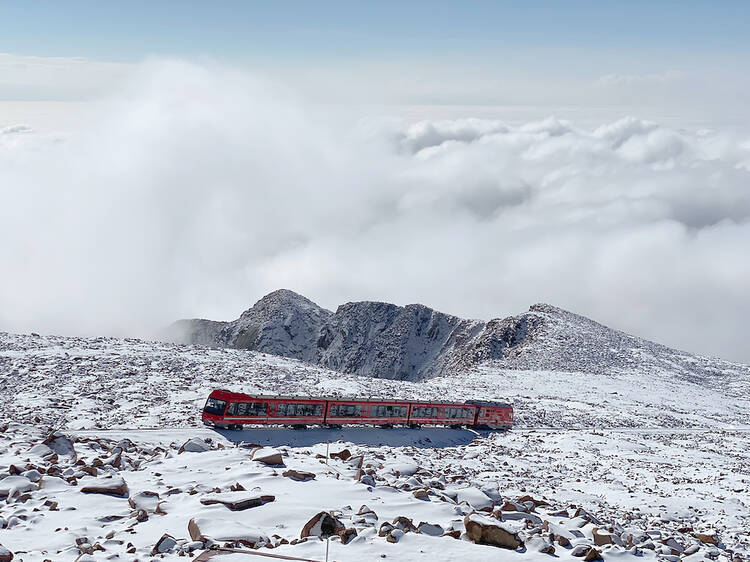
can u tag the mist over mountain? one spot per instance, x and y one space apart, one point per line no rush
414 342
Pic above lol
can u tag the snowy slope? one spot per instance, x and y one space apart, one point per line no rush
104 382
665 494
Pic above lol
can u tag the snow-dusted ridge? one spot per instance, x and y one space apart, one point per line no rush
414 342
676 490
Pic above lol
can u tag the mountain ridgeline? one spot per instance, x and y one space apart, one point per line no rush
414 342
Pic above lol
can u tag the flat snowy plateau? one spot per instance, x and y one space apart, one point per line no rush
103 457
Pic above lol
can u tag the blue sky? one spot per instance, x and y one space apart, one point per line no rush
301 30
672 54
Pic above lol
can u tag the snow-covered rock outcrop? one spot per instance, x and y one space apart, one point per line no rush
414 342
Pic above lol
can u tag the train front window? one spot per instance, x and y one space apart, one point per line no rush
214 406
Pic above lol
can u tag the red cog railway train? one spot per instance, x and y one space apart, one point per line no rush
230 410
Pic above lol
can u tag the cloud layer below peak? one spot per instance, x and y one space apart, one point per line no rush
194 191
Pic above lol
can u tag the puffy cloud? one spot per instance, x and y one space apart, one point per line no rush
197 190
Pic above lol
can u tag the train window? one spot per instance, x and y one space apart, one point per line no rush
424 412
387 411
232 410
257 408
292 410
214 406
346 410
242 408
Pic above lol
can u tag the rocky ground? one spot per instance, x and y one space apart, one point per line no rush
524 495
102 457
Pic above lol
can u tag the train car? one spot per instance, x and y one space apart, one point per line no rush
386 412
493 415
441 413
295 410
231 410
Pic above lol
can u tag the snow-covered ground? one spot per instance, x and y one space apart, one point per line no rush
629 463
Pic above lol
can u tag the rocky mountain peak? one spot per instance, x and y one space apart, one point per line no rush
412 342
283 299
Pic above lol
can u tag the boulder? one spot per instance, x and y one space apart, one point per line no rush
228 529
268 456
404 523
15 485
430 529
540 544
347 535
343 455
394 535
299 475
587 552
367 480
526 499
323 524
194 445
385 528
363 509
61 445
5 554
238 501
421 494
164 544
706 538
475 497
114 486
146 501
601 539
487 530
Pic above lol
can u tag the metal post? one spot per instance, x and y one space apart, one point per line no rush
328 540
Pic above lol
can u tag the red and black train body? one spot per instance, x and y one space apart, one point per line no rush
231 410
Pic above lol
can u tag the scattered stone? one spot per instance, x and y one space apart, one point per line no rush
475 497
323 524
114 486
486 530
11 486
394 535
194 445
268 456
164 544
299 475
430 529
343 455
238 501
146 501
706 538
601 539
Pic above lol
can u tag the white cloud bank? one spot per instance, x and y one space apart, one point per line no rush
197 190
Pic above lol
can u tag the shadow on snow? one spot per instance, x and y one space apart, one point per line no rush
374 436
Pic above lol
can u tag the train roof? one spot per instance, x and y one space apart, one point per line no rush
368 399
489 403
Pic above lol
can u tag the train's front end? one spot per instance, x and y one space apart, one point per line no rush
213 411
